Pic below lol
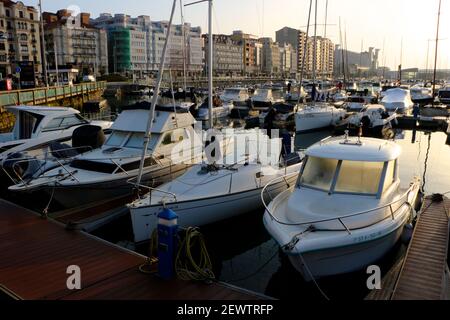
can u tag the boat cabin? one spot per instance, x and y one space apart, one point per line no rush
351 166
235 94
32 121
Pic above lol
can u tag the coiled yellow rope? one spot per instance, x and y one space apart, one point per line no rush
185 265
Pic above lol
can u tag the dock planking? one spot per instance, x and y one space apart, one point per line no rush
422 276
35 254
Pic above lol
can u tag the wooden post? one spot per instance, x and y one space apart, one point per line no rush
18 97
34 97
46 95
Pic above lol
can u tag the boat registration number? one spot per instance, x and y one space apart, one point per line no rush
369 237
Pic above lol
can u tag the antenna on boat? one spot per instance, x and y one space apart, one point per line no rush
155 98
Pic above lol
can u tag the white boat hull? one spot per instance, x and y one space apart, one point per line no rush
344 260
200 212
315 121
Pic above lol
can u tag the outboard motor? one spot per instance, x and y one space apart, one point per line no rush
87 138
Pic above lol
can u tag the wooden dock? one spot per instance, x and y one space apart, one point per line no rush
423 273
35 254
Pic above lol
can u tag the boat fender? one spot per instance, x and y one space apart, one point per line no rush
407 233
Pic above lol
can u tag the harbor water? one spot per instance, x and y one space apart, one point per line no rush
243 253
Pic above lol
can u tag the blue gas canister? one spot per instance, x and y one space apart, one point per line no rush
167 242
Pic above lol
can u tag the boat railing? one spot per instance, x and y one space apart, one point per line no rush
42 158
340 219
133 181
100 116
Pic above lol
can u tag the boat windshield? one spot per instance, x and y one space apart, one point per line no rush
337 176
232 92
133 140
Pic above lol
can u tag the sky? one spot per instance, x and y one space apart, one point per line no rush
384 24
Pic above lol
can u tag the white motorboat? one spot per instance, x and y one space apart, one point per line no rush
397 100
346 211
339 96
358 100
207 194
317 116
50 123
264 97
296 95
237 96
421 95
444 95
105 173
220 110
372 119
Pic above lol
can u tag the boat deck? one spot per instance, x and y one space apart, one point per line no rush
422 276
35 254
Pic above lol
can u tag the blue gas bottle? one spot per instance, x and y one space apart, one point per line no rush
167 242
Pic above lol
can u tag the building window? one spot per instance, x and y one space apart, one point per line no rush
21 14
25 58
23 37
2 47
31 16
2 23
8 14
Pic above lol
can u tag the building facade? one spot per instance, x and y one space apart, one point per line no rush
297 39
139 42
366 62
74 43
252 52
325 57
227 55
19 37
271 58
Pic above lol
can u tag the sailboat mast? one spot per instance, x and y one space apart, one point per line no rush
210 65
342 52
436 51
324 36
155 97
184 46
315 45
305 48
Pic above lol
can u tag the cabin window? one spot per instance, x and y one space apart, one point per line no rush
174 137
319 173
136 141
390 176
64 123
117 138
72 121
359 177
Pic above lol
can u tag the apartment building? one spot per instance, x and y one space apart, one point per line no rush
297 39
227 55
138 45
72 41
252 52
271 58
19 36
